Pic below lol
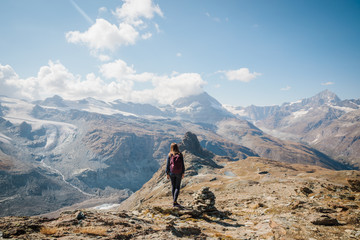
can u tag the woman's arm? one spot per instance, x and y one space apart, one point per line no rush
168 165
183 164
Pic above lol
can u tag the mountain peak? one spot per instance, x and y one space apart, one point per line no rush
201 108
326 96
55 101
202 98
191 143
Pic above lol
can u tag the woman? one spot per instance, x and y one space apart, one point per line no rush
175 169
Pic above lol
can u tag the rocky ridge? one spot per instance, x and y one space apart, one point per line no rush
254 198
320 121
94 150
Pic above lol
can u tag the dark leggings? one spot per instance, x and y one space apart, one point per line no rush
175 184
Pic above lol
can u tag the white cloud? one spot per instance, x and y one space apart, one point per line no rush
216 19
53 78
104 35
146 35
327 83
158 30
164 90
56 79
8 76
121 79
287 88
167 89
102 10
103 57
242 75
133 10
178 54
118 70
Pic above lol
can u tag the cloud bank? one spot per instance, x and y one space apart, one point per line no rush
242 75
116 80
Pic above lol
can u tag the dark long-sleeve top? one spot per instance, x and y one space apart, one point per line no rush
168 164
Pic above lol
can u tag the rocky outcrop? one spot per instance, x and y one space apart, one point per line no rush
33 193
354 184
266 146
323 121
96 149
204 201
228 149
191 144
245 205
325 220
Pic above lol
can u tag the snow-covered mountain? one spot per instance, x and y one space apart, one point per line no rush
296 109
87 148
106 108
309 120
201 108
91 149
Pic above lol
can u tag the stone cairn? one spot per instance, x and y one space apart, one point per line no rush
204 201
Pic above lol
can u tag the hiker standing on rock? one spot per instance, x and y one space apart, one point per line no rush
175 169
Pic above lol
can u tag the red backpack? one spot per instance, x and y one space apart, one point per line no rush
176 164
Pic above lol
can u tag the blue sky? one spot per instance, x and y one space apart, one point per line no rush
240 52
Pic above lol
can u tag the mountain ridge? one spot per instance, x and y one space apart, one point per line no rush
306 120
112 154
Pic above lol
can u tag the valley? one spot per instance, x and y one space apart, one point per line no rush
68 152
255 198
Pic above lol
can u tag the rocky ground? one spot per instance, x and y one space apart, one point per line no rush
248 199
254 198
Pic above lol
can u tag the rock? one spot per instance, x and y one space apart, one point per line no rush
263 172
351 198
340 208
213 179
354 185
204 200
306 191
325 210
325 220
191 143
352 206
277 228
80 215
256 205
297 204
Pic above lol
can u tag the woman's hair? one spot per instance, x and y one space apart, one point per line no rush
174 149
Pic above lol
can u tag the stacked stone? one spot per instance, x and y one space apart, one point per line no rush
204 200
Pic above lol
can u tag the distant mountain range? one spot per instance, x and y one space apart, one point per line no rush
323 121
58 152
220 198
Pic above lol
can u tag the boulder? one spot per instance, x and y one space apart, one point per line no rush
354 185
325 220
306 190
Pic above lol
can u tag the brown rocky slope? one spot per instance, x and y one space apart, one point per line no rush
253 198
